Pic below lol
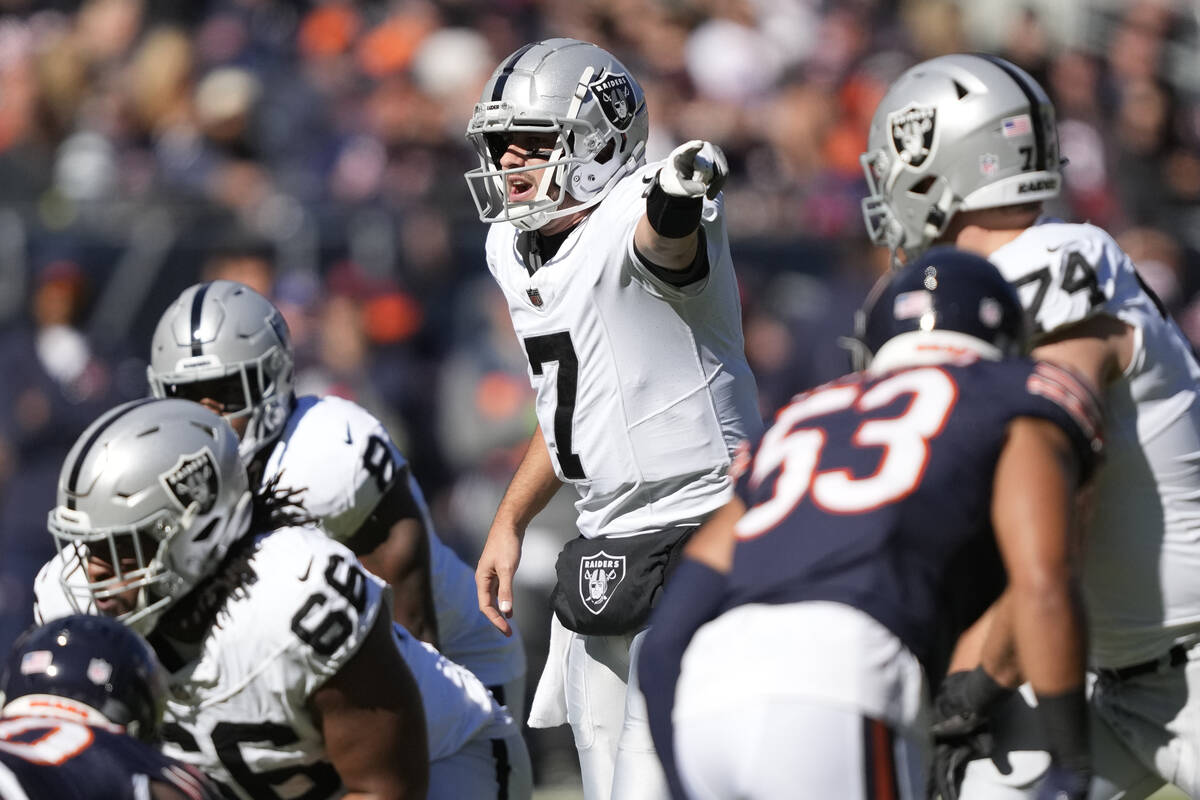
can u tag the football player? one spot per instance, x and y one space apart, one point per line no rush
963 149
863 519
226 346
272 634
621 291
81 702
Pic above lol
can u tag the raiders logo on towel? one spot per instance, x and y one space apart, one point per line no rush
193 479
614 93
912 130
599 577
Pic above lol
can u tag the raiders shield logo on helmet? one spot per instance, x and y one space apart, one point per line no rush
614 93
193 479
912 130
599 577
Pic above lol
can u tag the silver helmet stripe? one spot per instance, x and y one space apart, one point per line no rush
1035 109
77 467
197 313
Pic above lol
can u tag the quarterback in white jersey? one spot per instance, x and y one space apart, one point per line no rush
621 290
964 149
227 347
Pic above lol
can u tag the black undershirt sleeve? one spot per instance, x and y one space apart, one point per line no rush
697 270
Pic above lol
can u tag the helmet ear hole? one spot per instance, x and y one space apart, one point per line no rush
923 186
604 155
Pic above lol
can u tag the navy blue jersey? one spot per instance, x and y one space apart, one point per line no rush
54 759
875 491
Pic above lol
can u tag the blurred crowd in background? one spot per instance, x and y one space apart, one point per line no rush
315 151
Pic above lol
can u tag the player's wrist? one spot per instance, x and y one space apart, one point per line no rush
672 216
1064 717
981 690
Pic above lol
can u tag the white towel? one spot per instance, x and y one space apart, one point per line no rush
549 706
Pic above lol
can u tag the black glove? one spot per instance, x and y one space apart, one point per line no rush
1063 783
957 742
960 728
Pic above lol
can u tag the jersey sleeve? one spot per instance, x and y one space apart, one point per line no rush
333 603
715 241
343 459
1064 399
1065 273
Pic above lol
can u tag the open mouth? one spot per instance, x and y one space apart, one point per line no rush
520 188
113 606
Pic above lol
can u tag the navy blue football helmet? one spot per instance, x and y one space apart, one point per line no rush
92 660
944 303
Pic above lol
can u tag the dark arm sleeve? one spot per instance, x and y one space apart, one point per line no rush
692 597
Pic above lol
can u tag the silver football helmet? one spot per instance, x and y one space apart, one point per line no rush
956 133
571 89
156 489
226 342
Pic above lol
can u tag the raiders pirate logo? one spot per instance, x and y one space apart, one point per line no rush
193 479
614 93
912 130
599 577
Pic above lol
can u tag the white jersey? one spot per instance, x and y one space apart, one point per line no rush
344 459
643 390
238 707
1142 563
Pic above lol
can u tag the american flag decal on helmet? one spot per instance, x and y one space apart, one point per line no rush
535 297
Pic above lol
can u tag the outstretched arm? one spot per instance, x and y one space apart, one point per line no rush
528 493
667 235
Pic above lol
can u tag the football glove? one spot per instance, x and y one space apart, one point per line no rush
693 169
960 729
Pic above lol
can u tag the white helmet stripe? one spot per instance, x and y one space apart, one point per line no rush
197 314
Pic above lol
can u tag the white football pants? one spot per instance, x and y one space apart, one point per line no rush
607 714
795 747
803 700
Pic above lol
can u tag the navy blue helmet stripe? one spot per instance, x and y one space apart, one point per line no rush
502 78
197 311
104 425
1035 109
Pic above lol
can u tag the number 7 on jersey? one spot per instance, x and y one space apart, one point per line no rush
557 347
